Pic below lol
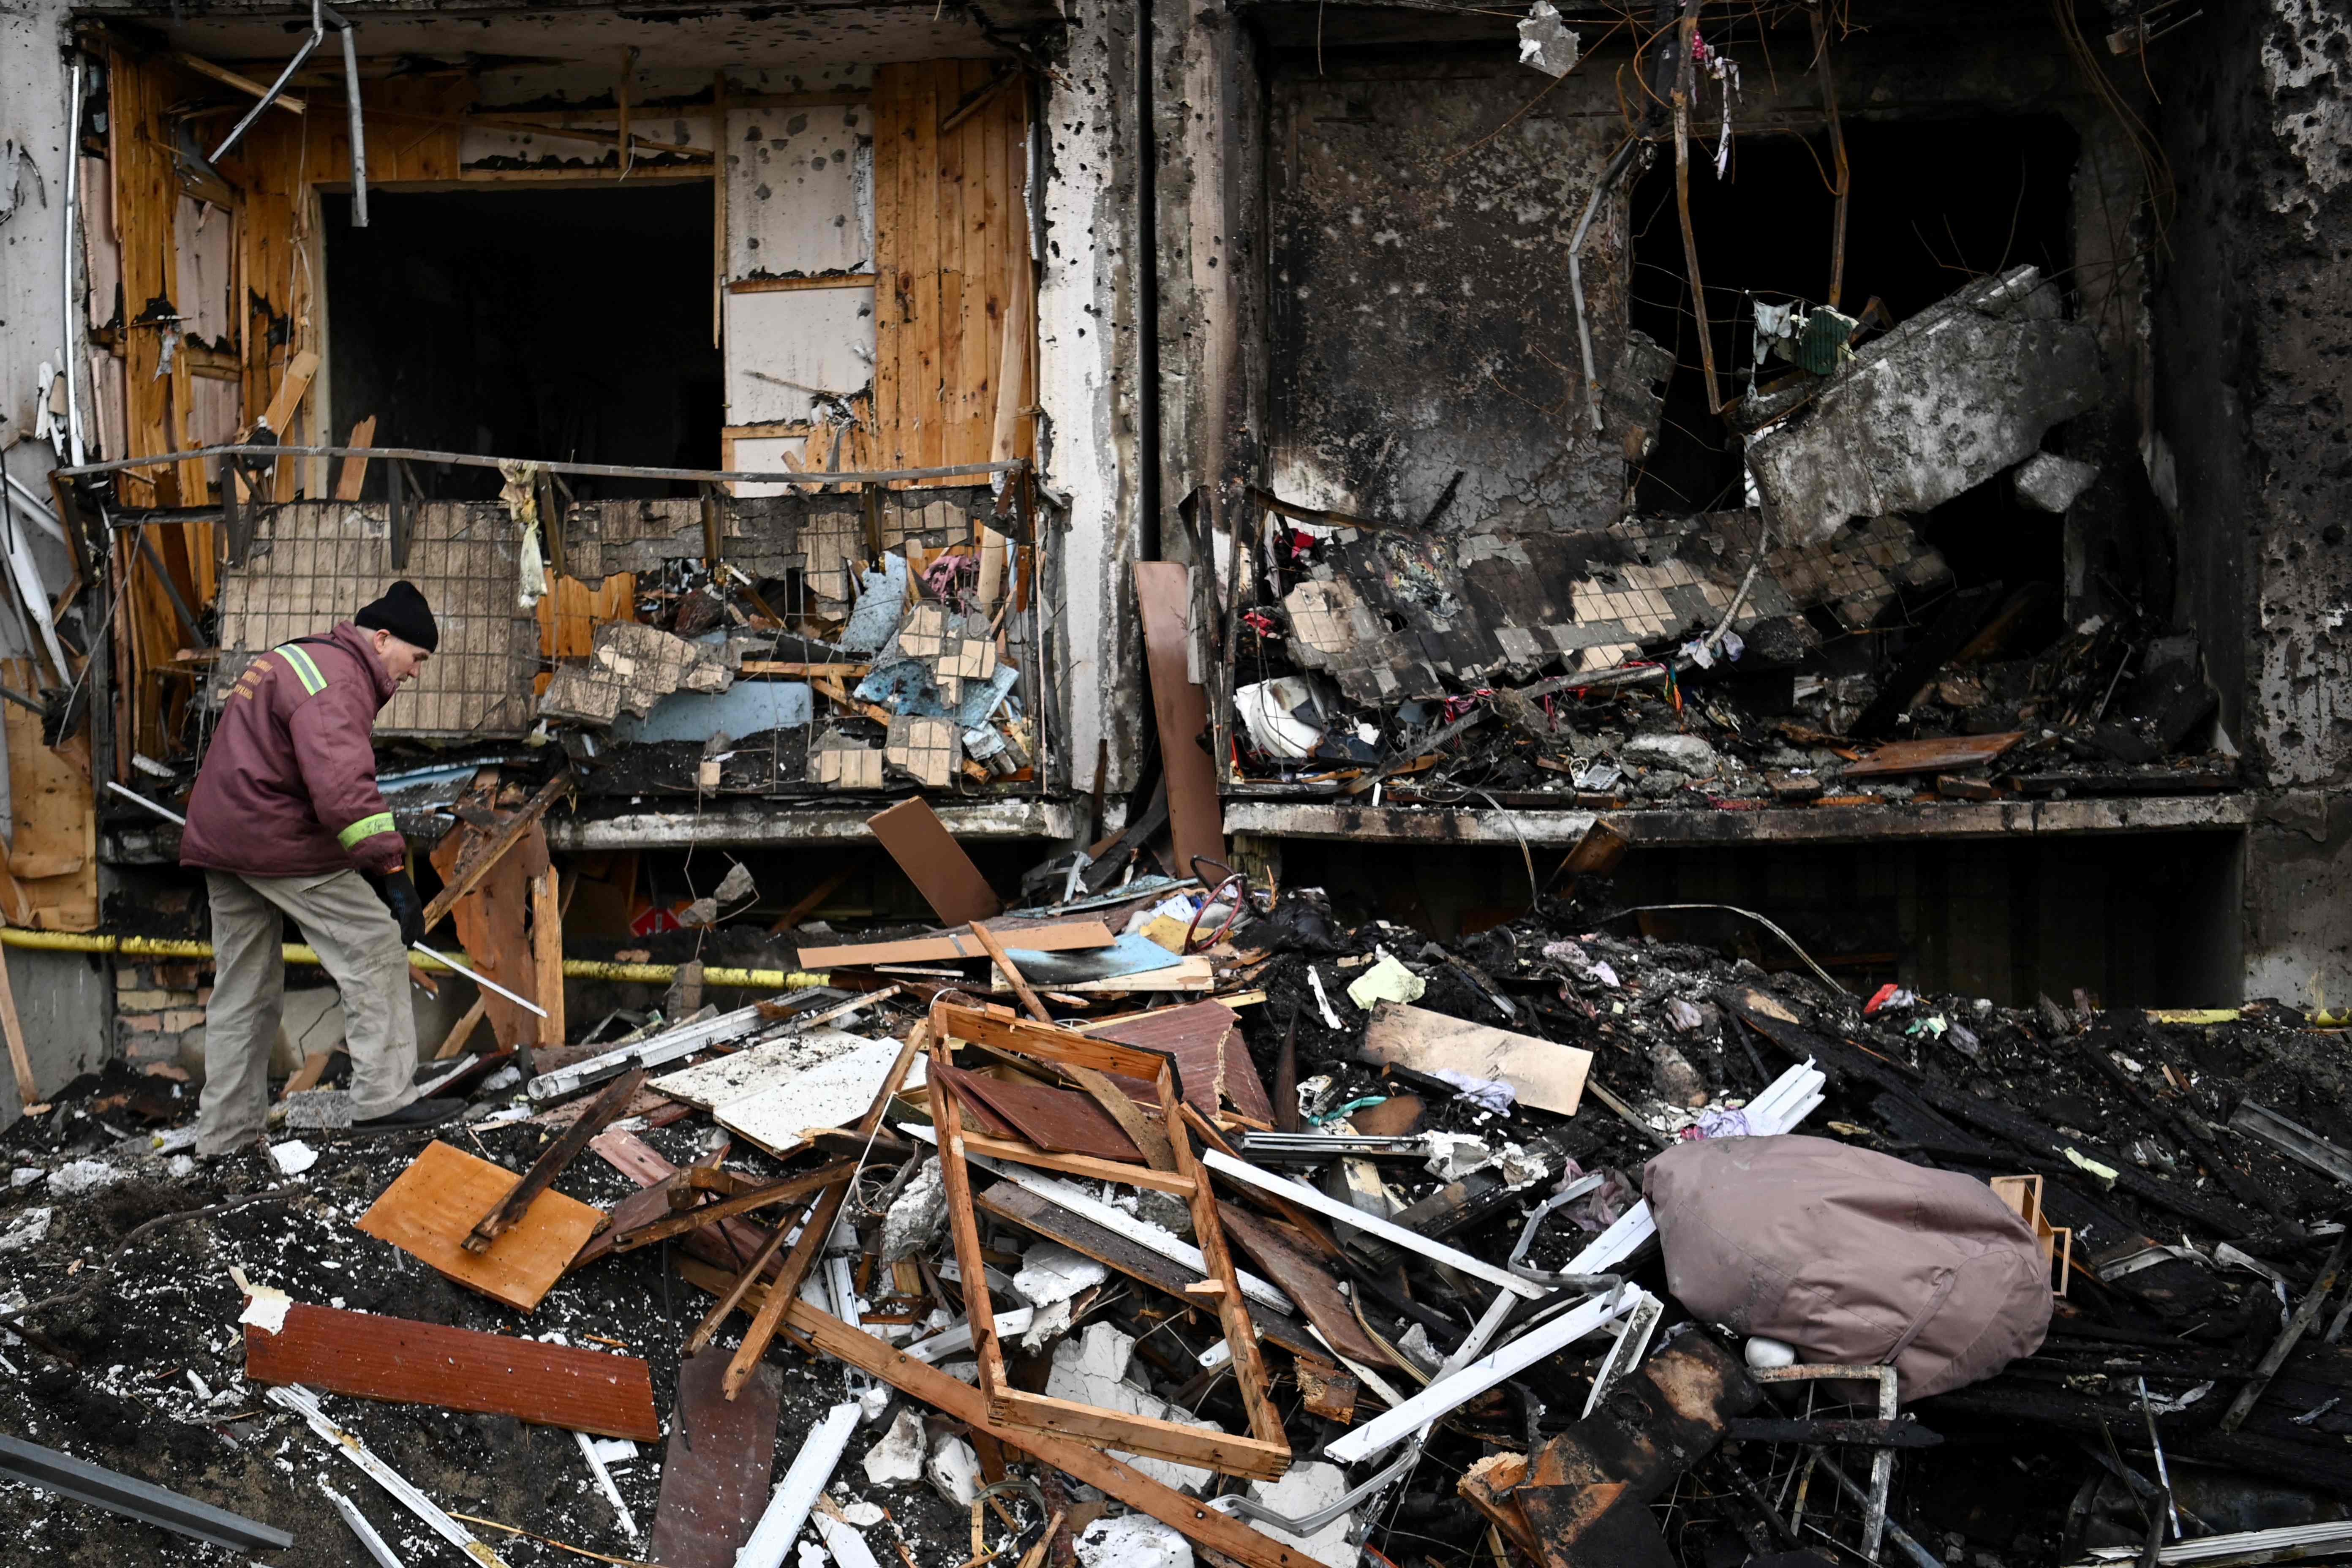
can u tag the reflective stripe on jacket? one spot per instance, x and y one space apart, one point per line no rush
287 785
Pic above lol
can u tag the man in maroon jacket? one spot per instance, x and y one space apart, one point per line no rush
286 820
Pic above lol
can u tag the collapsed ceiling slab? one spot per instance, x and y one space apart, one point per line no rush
1949 398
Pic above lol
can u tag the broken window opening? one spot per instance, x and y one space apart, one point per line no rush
570 325
1764 232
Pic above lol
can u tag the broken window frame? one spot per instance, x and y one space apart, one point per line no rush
1265 1452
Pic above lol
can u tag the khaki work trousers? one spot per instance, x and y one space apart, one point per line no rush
357 940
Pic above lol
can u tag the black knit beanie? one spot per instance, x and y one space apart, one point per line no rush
403 613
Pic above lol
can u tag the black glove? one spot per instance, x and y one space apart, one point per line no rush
399 896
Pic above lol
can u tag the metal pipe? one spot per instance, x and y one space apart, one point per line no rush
38 506
359 138
129 794
66 267
302 952
599 470
318 35
484 980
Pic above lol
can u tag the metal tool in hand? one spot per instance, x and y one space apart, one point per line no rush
484 980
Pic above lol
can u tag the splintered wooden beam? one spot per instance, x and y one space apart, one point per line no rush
549 1164
815 1230
511 833
987 939
685 1220
374 1357
959 1400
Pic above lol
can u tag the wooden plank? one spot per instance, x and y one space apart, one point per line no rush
1012 974
983 287
816 1231
1304 1281
485 858
911 831
645 1233
1057 1120
20 1061
725 1244
547 951
716 1469
53 856
793 285
1266 1429
1195 817
1936 752
430 1208
1219 1451
459 1033
352 476
889 275
1077 1165
374 1357
949 947
1046 1042
1205 1038
1208 1526
504 1215
490 928
291 386
1109 1248
1546 1075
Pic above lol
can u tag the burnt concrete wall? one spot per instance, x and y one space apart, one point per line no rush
1421 317
2253 338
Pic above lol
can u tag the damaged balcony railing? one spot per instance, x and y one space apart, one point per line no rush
898 591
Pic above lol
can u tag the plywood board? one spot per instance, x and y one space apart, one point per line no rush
53 855
426 1363
716 1470
1936 751
931 858
1270 1247
757 1068
1210 1054
1196 820
800 190
947 947
1543 1074
832 1094
819 340
1184 974
1058 1120
430 1208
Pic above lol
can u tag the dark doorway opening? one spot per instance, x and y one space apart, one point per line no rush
1764 230
569 325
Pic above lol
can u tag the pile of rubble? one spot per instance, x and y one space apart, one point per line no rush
1231 1233
1811 648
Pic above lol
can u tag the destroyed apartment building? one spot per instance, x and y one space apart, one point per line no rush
1394 783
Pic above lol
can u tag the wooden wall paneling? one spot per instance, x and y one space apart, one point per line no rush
923 165
568 617
491 929
54 856
983 295
889 325
960 253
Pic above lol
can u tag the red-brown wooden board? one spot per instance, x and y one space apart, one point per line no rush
715 1472
1054 1118
457 1369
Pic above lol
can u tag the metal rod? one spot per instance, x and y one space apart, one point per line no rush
65 269
133 795
359 140
135 1499
318 33
484 980
604 470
